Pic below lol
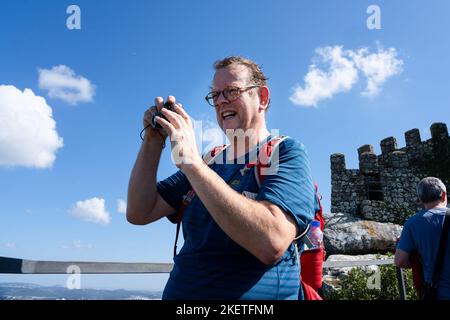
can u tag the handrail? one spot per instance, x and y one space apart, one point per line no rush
22 266
353 263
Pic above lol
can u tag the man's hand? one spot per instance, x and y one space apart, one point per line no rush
150 132
182 135
144 204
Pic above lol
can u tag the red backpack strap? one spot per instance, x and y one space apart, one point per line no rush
264 162
208 158
264 158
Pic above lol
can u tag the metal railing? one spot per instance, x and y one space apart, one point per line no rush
22 266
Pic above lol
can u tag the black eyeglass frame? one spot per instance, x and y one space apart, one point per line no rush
210 98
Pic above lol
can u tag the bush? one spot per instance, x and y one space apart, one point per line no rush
355 286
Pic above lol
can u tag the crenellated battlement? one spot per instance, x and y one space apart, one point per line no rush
439 131
388 145
412 137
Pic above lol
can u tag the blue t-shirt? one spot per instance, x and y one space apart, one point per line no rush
422 232
210 264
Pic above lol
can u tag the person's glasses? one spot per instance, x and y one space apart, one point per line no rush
230 94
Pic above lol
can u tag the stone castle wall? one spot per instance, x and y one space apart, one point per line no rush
383 188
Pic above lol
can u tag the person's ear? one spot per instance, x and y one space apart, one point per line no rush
264 97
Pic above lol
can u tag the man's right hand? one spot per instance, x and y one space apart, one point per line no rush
144 204
150 132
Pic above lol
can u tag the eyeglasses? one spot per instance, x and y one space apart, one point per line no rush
230 94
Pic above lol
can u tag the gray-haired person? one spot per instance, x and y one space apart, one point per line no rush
422 233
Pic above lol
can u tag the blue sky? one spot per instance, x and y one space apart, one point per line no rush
98 81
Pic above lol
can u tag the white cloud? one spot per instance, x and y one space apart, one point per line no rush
62 83
28 135
377 67
342 73
121 206
77 245
320 85
91 210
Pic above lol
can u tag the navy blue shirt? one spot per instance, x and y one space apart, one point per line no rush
422 232
210 264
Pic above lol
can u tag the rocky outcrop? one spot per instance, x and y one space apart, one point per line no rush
350 235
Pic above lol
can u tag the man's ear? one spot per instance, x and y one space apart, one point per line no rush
264 97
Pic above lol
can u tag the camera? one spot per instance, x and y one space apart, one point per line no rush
168 105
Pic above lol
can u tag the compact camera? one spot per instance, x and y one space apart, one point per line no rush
168 105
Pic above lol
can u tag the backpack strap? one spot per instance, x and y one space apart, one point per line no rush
441 250
179 216
263 163
211 156
264 158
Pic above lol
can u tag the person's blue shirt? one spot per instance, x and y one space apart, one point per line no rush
422 232
210 264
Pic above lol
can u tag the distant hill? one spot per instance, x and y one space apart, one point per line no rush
27 291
